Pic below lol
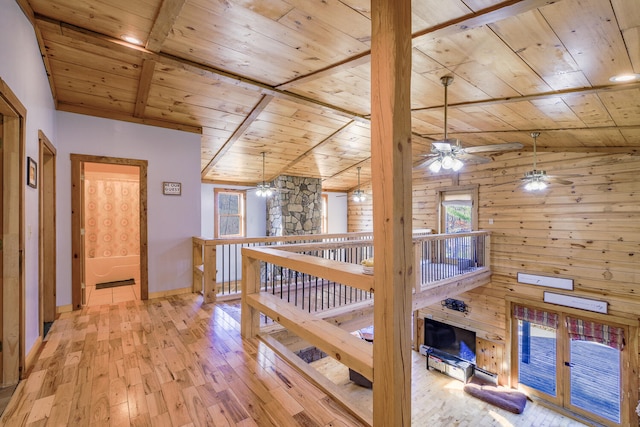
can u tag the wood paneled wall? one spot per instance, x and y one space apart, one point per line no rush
588 232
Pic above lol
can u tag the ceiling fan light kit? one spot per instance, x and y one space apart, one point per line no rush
538 180
448 153
535 180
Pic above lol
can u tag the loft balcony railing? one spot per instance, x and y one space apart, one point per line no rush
217 263
285 283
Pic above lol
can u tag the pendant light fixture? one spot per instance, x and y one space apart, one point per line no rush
263 189
358 195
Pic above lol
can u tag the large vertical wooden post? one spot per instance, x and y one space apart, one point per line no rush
391 166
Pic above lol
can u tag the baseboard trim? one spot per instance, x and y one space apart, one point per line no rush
33 354
64 308
169 293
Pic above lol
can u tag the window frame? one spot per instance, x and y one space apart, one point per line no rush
242 214
628 383
471 190
324 214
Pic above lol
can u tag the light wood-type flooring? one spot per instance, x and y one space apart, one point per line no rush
177 362
112 295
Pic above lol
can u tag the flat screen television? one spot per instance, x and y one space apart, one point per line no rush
456 341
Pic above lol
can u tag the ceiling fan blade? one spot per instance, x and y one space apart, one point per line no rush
556 180
471 158
494 147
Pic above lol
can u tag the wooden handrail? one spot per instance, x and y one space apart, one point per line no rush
338 343
206 251
278 239
335 271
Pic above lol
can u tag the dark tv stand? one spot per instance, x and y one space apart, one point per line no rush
449 364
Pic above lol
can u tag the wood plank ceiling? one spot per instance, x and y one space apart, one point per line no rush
292 77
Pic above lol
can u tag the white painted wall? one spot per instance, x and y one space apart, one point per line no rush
21 68
172 220
256 211
337 210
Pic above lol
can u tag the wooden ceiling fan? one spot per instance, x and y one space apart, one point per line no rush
537 179
450 155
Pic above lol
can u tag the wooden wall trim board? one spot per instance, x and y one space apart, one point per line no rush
64 308
169 293
33 354
13 114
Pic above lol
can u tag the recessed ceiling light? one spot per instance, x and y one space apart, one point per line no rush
623 78
131 40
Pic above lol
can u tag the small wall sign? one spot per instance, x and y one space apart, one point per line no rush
551 282
172 188
576 302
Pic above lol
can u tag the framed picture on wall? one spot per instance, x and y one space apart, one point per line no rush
32 173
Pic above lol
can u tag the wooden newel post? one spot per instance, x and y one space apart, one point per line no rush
197 266
391 166
210 291
250 317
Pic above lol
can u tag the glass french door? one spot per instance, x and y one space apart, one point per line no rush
572 362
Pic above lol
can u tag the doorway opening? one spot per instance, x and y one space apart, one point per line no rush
109 226
112 233
47 234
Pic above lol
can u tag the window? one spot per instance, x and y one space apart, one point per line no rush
229 213
325 214
458 209
458 213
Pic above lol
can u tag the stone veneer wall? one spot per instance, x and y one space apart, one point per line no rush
296 209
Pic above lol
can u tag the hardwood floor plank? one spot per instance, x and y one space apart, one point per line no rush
172 392
175 361
59 415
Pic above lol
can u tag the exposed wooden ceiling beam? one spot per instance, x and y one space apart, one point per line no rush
144 86
163 59
315 147
240 130
167 15
89 111
466 22
485 16
554 94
